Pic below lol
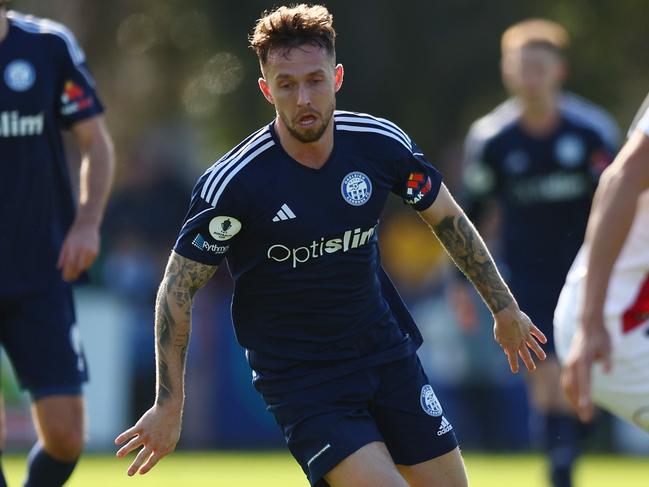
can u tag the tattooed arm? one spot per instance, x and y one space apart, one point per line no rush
513 329
158 431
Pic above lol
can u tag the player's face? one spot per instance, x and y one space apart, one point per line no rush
533 72
302 83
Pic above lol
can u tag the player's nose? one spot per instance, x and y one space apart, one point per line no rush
303 96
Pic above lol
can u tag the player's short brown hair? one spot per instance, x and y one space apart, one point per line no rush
539 32
293 26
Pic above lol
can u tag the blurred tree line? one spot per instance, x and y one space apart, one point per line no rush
431 66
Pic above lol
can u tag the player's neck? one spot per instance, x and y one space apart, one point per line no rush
314 154
4 24
540 117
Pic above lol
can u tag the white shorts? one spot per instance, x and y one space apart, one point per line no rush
624 391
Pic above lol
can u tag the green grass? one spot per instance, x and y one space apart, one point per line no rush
185 469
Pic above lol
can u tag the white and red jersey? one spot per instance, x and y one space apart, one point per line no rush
627 298
624 390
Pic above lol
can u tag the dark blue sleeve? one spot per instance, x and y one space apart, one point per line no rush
209 231
77 98
417 180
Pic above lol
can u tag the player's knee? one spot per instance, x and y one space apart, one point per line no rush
65 444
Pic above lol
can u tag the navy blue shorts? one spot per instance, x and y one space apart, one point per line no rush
39 335
392 403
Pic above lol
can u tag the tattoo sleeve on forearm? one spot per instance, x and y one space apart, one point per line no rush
470 254
183 277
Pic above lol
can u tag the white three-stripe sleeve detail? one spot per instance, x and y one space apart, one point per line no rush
366 116
352 128
222 167
385 126
238 168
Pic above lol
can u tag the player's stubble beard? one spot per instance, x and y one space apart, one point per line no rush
309 135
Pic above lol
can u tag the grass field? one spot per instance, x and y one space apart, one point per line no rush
279 470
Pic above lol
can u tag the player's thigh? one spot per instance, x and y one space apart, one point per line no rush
59 421
409 416
370 466
444 471
43 343
327 423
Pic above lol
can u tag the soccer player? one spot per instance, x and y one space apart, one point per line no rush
538 157
45 242
602 318
294 208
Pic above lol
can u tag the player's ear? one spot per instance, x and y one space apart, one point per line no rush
265 90
339 75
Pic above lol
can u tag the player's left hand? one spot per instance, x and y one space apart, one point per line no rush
587 347
79 250
517 335
155 434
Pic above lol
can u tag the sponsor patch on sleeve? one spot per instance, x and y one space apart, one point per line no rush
202 244
74 98
417 187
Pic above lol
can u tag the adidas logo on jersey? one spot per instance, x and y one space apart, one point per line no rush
284 213
444 427
12 124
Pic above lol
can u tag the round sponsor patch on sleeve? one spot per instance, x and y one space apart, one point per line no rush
224 227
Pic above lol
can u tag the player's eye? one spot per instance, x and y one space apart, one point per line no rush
286 85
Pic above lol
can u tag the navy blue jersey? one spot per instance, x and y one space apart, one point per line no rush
301 245
44 87
544 186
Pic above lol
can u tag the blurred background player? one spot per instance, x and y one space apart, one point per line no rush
536 160
332 347
602 319
45 242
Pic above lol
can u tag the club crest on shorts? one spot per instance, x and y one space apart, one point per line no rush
356 188
224 227
19 75
429 402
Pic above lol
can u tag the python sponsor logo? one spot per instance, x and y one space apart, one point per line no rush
13 124
349 240
205 246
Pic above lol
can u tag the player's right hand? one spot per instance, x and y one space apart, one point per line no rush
517 335
587 346
157 432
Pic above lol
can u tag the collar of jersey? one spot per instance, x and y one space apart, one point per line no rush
325 166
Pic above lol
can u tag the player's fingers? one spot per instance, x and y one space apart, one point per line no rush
130 446
512 358
526 357
85 259
584 404
568 386
63 255
153 460
141 457
129 433
535 347
538 333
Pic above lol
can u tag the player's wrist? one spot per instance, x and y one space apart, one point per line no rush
171 405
